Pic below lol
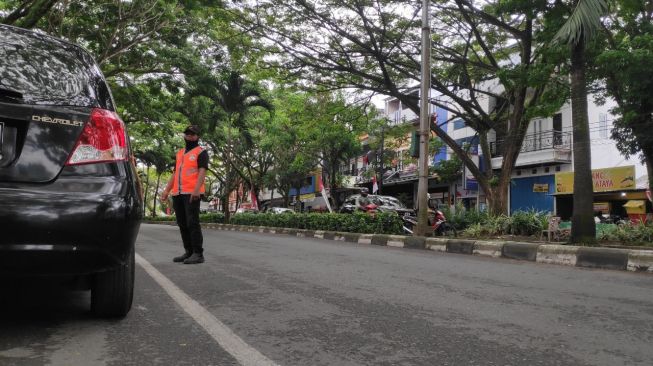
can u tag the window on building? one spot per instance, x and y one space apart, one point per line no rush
458 124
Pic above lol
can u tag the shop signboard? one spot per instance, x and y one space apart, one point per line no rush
541 187
307 197
602 207
604 180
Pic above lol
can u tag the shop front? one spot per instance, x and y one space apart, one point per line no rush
615 194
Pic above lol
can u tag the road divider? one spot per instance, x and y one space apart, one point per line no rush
568 255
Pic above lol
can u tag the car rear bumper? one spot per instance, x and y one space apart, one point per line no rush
77 225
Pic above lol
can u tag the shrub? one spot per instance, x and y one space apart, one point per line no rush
159 218
638 234
217 217
528 222
480 224
381 223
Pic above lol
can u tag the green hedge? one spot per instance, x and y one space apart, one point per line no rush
639 234
481 224
210 217
381 223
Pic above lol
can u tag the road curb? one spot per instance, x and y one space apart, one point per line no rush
557 254
461 246
436 244
607 258
640 261
590 257
488 248
521 251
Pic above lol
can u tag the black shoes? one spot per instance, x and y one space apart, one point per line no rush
181 258
194 259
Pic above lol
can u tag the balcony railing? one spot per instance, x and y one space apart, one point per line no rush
537 142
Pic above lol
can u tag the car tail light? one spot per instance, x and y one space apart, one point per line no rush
102 140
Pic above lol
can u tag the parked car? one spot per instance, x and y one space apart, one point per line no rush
71 206
242 210
279 210
383 203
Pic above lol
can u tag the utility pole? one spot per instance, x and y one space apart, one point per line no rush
424 117
381 164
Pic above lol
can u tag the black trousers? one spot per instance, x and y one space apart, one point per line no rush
188 220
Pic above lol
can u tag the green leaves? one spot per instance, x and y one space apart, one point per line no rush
380 223
583 23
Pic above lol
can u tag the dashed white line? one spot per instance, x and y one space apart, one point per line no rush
245 354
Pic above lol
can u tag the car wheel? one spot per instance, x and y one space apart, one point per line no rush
112 292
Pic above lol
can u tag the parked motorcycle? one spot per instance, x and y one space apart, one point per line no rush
370 209
438 225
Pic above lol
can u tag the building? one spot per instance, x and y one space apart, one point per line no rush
546 154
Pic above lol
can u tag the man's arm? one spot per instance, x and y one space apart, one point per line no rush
200 182
166 191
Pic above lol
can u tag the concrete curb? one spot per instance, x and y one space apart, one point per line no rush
557 254
640 261
488 248
589 257
522 251
602 258
460 246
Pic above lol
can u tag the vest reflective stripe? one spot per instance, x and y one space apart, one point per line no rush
186 172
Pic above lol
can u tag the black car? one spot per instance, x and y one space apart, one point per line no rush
69 200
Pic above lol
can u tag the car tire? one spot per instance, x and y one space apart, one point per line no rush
112 292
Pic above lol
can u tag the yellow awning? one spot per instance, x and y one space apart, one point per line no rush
635 204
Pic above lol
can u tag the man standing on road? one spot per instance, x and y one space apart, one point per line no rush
187 187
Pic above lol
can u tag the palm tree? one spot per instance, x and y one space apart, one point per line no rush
236 97
582 25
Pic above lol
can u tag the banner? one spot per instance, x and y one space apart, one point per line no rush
604 180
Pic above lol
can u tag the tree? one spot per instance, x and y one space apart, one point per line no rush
581 26
294 152
625 75
480 52
27 13
333 127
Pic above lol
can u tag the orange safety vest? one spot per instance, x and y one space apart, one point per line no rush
186 172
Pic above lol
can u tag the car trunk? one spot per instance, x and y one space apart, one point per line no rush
47 91
37 140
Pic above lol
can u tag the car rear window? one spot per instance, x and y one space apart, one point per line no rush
48 71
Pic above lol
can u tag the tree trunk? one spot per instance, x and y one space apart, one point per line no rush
285 193
156 193
648 156
256 191
583 228
225 207
147 188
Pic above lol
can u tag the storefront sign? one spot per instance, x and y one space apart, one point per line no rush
541 187
603 207
307 197
605 180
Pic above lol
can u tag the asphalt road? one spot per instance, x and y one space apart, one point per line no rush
298 301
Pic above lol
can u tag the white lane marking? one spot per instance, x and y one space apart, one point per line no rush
226 338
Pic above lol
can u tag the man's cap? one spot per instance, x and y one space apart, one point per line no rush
195 129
